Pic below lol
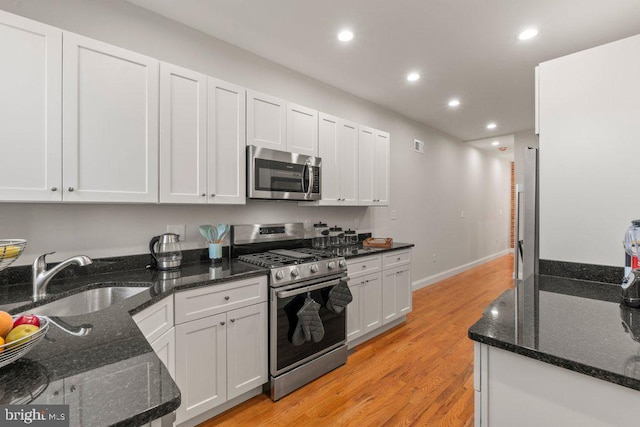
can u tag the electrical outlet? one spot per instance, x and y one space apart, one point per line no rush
180 230
394 214
461 214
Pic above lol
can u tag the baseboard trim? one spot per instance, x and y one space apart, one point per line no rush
457 270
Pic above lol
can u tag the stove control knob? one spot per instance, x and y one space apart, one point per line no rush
314 268
342 263
295 273
331 265
280 275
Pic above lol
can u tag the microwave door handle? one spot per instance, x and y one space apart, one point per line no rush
310 176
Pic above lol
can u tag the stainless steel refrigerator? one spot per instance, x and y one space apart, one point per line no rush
526 251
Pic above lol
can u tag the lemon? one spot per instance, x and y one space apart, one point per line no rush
10 251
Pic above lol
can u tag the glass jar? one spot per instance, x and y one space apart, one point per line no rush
320 238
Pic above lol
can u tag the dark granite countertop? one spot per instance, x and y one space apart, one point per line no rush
111 376
575 324
359 251
114 363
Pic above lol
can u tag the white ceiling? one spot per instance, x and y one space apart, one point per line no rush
462 48
504 149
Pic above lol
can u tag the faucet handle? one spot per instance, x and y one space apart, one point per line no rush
41 261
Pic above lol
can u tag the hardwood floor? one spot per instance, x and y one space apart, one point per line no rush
419 373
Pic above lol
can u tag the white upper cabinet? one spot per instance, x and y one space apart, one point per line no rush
183 130
348 144
382 168
366 151
302 130
373 149
30 110
110 125
338 148
266 121
329 152
226 143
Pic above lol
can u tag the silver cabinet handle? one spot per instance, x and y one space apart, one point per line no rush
364 266
54 188
221 323
232 320
366 281
213 195
399 258
226 298
71 189
203 194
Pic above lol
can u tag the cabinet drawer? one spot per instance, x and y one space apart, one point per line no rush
366 265
396 258
215 299
155 320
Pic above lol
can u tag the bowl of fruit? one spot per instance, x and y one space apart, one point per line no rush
19 334
10 250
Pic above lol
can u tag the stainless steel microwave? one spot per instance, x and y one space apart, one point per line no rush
279 175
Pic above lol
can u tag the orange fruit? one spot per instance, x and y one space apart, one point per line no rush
1 344
6 323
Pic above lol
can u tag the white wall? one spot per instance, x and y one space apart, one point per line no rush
589 140
428 191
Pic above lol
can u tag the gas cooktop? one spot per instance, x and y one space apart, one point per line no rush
288 265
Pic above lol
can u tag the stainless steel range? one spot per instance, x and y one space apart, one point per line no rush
307 333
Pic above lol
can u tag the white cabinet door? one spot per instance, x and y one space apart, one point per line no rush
366 163
110 123
226 143
302 130
354 310
246 349
30 110
165 349
266 121
183 130
396 293
338 148
329 151
371 302
201 365
348 154
381 168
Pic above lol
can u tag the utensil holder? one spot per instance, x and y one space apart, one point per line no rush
215 250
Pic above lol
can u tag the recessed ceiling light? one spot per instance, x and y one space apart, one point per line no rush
454 103
527 34
412 77
345 35
495 143
491 125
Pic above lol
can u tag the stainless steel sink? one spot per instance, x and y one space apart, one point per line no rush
88 301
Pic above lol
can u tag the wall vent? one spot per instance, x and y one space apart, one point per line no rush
418 146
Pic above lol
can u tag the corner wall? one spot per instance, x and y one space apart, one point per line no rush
429 191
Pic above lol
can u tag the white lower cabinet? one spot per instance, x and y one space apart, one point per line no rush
381 290
371 302
396 285
515 390
201 360
221 350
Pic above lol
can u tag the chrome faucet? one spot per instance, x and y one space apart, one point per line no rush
42 276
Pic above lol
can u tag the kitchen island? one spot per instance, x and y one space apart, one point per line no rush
569 355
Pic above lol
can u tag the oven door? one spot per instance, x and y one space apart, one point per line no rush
285 303
278 175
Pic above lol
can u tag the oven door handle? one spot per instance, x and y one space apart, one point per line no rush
305 289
